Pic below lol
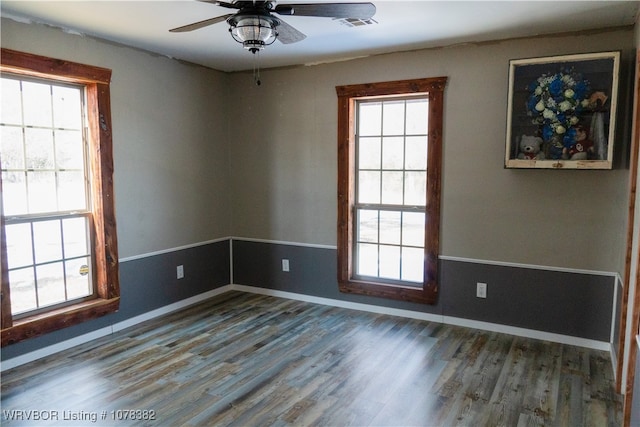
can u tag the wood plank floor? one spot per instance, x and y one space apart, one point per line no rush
250 360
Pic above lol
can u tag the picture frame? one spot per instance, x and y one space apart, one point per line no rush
561 111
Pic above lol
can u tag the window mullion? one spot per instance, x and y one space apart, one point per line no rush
34 265
84 126
64 261
384 207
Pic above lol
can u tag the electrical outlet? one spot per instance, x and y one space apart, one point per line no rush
285 265
180 272
481 290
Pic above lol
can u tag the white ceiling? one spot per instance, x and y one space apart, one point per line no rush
400 25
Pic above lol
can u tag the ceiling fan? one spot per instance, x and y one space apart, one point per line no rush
255 26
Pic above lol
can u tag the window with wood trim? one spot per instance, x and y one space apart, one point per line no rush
58 235
389 167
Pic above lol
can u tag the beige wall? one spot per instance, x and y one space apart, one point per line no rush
169 137
201 154
283 159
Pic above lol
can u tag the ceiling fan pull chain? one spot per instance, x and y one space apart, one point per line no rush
256 68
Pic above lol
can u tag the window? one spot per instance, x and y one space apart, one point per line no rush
389 161
59 247
45 194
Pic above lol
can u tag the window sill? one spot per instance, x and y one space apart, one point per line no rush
420 295
30 327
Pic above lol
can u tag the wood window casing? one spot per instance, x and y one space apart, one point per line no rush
433 88
96 82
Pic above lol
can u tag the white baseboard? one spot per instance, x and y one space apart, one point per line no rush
170 308
449 320
108 330
528 333
493 327
55 348
342 304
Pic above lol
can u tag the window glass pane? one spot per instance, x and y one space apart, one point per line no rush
67 111
390 227
50 278
42 191
367 259
369 153
22 286
39 148
393 118
11 112
47 241
71 191
368 187
417 113
390 262
78 273
416 147
19 253
69 152
75 235
37 104
413 228
14 193
11 148
370 119
392 188
413 264
393 153
415 188
367 226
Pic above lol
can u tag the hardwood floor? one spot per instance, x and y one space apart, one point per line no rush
250 360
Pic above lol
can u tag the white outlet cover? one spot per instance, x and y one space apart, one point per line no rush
285 265
481 290
180 272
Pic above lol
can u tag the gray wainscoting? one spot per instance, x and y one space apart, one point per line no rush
574 304
146 284
569 303
615 338
313 271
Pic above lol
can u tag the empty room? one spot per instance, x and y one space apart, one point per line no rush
250 213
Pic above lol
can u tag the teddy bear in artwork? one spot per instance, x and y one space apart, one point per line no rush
530 148
582 148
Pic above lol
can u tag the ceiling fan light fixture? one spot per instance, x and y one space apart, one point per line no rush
253 31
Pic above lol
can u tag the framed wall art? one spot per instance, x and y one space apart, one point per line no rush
561 111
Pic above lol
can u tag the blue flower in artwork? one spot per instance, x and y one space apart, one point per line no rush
547 132
581 88
556 102
556 87
555 152
569 138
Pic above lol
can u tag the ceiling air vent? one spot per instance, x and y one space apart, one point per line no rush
355 22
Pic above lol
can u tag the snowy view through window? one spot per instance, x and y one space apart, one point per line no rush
45 193
391 138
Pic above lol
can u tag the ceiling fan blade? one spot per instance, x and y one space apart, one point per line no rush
197 25
287 34
221 4
328 10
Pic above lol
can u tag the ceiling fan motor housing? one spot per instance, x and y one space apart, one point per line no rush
254 28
